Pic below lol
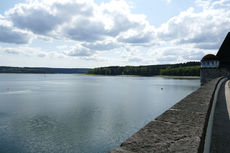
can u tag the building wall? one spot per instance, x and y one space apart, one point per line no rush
210 64
207 74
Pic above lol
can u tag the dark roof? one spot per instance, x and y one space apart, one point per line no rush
209 57
224 51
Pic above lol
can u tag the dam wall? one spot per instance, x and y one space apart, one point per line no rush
182 128
208 74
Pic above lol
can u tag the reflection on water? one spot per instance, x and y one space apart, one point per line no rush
9 92
79 113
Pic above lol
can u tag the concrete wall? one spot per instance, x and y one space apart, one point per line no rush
207 74
182 128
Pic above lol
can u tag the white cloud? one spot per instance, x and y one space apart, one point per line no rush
180 53
78 20
135 59
112 26
138 37
102 45
30 52
43 17
78 50
205 29
211 4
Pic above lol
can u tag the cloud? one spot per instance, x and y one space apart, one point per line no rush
12 51
167 1
112 26
79 20
135 59
137 37
213 4
180 53
27 51
37 21
84 30
102 45
78 51
41 17
30 52
204 30
8 34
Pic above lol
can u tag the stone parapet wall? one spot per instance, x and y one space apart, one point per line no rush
208 74
182 128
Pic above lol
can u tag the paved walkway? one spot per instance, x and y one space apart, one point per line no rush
221 126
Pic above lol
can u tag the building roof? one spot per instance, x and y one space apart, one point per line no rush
224 51
210 57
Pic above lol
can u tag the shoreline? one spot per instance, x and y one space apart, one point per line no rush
162 76
179 77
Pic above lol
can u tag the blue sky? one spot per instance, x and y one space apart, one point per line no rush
94 33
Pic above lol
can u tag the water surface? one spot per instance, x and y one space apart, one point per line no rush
79 113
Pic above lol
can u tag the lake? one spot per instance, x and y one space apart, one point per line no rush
78 113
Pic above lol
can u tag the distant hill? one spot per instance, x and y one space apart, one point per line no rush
7 69
181 69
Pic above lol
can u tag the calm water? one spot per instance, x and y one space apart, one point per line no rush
78 113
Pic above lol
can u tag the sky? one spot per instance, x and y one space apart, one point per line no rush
96 33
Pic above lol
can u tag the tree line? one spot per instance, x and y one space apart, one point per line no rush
7 69
181 69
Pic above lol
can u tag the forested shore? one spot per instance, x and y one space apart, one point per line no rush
8 69
181 69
